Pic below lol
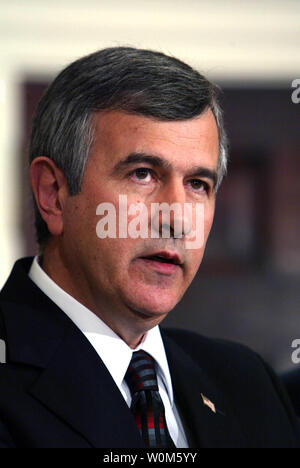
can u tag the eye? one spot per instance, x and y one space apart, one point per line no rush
199 185
142 173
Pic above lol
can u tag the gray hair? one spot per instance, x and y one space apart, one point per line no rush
137 81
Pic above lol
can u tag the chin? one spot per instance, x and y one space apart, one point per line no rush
153 306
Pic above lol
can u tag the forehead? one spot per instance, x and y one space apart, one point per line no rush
181 143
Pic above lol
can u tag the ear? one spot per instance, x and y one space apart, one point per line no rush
50 190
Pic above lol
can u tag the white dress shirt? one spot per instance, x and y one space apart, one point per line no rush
113 351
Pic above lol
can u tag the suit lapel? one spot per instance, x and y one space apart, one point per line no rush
207 416
78 388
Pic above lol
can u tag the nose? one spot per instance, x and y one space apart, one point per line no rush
171 215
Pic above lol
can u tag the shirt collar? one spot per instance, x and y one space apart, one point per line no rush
113 351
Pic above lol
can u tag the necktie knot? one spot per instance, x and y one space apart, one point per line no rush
141 373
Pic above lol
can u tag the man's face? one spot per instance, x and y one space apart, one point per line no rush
149 161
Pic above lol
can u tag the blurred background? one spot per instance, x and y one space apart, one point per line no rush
248 287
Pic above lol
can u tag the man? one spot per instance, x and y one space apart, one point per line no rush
86 363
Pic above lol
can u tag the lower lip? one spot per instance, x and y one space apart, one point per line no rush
163 268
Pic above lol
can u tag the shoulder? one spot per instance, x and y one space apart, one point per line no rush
291 381
292 378
217 351
232 366
244 378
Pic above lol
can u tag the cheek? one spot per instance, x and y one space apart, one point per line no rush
113 256
195 255
207 227
209 218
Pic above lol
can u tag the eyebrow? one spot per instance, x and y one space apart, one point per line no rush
134 158
157 161
204 172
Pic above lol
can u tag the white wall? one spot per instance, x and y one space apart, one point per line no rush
226 39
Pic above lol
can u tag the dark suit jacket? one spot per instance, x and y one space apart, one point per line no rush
291 380
56 392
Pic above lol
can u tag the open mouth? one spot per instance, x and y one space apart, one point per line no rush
166 258
158 258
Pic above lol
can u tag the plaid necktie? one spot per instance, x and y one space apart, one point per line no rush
147 406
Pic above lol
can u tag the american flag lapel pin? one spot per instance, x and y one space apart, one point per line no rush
208 403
